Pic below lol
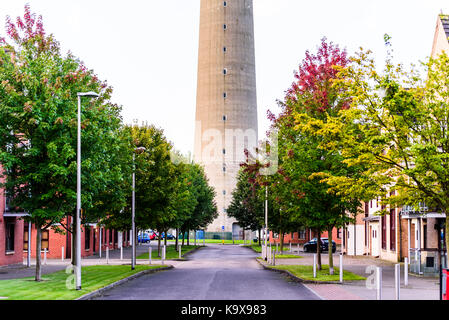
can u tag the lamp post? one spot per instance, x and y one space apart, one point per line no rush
78 191
133 208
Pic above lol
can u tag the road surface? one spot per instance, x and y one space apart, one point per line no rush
216 272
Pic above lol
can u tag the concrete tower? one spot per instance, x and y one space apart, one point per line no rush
226 110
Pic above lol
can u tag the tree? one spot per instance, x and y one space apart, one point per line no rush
247 206
206 209
38 119
396 127
313 98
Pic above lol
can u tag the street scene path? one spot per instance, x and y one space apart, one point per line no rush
215 272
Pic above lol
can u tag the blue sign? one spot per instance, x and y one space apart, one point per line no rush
222 227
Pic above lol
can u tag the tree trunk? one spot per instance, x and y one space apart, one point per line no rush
73 251
159 245
165 238
318 248
183 234
38 276
176 239
331 257
282 242
260 243
188 237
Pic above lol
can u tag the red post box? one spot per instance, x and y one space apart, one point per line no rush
445 284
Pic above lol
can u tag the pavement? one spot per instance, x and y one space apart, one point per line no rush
418 288
222 272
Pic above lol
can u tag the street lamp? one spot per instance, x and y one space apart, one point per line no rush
133 207
78 191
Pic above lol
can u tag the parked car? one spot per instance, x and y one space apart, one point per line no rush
153 235
145 238
326 245
169 236
311 245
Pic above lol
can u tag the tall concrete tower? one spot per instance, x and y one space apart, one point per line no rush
226 110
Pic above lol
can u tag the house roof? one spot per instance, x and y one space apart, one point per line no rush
445 21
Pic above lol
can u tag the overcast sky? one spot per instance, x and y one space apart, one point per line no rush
147 49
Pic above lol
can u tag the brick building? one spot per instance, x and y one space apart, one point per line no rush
11 232
305 235
58 243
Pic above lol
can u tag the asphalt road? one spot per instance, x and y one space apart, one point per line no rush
217 272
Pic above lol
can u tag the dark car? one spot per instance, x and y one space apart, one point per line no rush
326 245
311 245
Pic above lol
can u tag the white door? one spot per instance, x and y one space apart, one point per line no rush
375 239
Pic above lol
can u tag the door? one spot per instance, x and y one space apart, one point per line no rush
375 245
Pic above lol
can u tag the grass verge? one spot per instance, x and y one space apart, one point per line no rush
170 252
53 286
306 273
258 248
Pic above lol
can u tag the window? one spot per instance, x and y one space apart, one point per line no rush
302 234
86 238
45 239
393 229
338 233
225 27
9 236
224 192
225 71
110 236
224 151
224 169
225 4
225 95
7 203
224 118
25 238
225 49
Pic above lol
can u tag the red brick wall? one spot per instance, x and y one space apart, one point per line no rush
58 240
295 239
16 257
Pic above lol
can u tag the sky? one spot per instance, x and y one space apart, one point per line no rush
148 49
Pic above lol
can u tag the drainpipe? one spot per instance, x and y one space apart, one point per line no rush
419 245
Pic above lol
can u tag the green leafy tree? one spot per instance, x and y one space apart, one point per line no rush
247 205
205 211
38 120
396 127
312 98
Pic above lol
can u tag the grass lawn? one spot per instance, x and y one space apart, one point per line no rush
53 286
170 252
306 273
258 248
287 256
218 241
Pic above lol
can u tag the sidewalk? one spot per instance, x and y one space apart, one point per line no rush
419 288
54 265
